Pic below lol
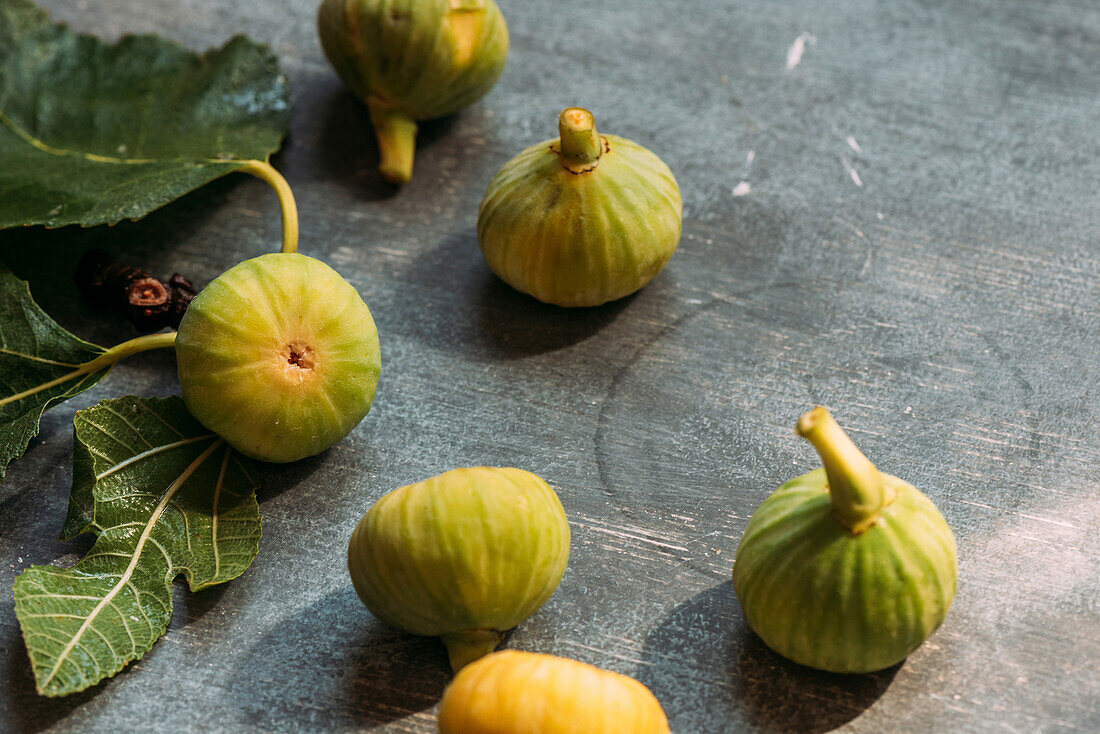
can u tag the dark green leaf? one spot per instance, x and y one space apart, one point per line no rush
40 366
164 496
92 133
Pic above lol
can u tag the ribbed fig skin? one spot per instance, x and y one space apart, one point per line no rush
823 597
511 692
580 239
477 548
423 58
232 356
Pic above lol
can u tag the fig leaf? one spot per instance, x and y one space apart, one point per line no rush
41 365
164 497
94 133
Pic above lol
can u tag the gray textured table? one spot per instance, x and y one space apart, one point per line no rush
904 226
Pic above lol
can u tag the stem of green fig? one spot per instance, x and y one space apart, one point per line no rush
581 146
266 172
396 135
464 648
855 485
103 361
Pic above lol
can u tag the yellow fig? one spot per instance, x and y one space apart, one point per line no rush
512 692
582 219
464 556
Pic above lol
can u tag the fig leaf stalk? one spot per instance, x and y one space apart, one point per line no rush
855 485
103 361
396 135
267 173
465 647
581 146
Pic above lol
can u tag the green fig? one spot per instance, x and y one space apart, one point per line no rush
413 60
279 355
580 220
845 569
465 556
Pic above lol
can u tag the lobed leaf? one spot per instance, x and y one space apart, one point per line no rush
40 366
94 133
164 497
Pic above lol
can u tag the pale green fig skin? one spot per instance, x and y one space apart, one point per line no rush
580 239
847 603
232 355
466 555
420 58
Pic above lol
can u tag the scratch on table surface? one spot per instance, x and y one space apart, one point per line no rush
969 437
628 641
636 556
1020 514
403 254
1057 544
703 536
946 704
842 244
1059 436
1048 520
745 187
852 172
631 536
948 367
344 256
849 225
602 652
794 53
867 261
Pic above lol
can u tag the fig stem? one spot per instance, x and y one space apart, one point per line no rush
855 485
108 358
396 135
267 173
465 647
581 146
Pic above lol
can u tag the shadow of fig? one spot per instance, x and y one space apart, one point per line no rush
332 666
746 686
474 311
